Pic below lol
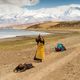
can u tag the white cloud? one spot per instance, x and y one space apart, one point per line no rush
20 2
15 14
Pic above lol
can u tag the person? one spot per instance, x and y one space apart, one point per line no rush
40 52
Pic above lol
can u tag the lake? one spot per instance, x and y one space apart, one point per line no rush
7 33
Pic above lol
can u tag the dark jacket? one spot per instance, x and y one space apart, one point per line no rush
40 39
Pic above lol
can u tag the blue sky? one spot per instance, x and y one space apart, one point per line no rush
53 3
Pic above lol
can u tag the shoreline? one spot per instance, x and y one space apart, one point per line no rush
11 33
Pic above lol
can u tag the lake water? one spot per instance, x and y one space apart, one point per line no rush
7 33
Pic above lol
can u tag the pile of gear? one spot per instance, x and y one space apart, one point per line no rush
60 47
23 67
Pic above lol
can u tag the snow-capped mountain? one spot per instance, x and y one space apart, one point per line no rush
13 14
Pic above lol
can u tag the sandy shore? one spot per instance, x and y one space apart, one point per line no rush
57 66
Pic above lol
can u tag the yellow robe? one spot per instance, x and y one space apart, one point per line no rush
40 54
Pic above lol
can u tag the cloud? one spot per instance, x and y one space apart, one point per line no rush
20 2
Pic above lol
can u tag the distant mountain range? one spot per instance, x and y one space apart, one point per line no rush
10 14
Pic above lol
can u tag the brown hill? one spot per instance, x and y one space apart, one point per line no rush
53 25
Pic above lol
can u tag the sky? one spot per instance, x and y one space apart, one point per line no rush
37 4
53 3
19 3
18 10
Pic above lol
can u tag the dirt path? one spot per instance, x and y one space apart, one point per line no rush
45 71
52 62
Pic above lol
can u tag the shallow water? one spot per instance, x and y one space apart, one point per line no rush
6 33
